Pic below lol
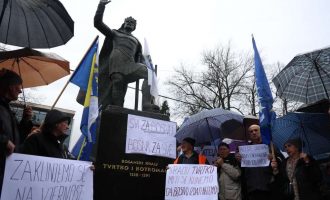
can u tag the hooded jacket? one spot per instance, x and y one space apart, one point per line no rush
45 143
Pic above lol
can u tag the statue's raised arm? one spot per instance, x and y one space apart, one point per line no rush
98 19
120 63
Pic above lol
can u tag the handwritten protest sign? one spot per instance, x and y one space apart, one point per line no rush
41 178
194 182
254 155
150 136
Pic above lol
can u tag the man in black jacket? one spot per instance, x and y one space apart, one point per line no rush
10 130
258 181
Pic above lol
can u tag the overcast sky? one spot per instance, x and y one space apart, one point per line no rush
178 31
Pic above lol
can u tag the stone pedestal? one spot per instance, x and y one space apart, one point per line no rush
126 176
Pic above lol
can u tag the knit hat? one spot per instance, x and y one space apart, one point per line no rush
8 78
190 140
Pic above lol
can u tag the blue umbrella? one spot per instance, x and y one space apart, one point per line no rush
204 126
312 128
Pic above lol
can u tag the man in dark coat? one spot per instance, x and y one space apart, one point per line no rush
10 130
258 181
49 142
120 63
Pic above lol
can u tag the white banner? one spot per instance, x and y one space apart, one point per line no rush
150 136
193 182
254 155
41 178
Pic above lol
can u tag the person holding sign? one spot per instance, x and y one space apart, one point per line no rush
229 174
189 156
300 172
11 132
49 141
257 181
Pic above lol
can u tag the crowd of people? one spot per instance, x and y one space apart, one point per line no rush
296 177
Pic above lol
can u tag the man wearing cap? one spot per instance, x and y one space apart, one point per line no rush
49 141
11 132
189 156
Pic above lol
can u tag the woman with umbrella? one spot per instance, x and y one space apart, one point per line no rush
299 175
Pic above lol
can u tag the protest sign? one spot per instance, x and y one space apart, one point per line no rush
41 178
150 136
194 182
254 155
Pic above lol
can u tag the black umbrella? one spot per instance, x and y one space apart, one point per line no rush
306 78
34 23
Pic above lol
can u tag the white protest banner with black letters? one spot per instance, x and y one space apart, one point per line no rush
42 178
254 155
193 182
150 136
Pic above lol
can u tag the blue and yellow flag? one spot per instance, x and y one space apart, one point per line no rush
266 113
86 77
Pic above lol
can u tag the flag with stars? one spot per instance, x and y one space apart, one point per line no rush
266 113
86 77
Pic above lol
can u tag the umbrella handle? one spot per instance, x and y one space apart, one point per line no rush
208 125
19 71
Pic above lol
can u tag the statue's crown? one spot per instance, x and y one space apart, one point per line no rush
130 19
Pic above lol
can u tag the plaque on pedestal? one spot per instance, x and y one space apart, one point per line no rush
120 175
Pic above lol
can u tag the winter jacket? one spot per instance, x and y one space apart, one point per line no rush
261 178
229 181
308 176
46 143
9 130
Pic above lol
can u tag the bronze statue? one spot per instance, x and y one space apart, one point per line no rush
120 63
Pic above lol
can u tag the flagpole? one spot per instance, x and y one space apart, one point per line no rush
81 148
67 83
